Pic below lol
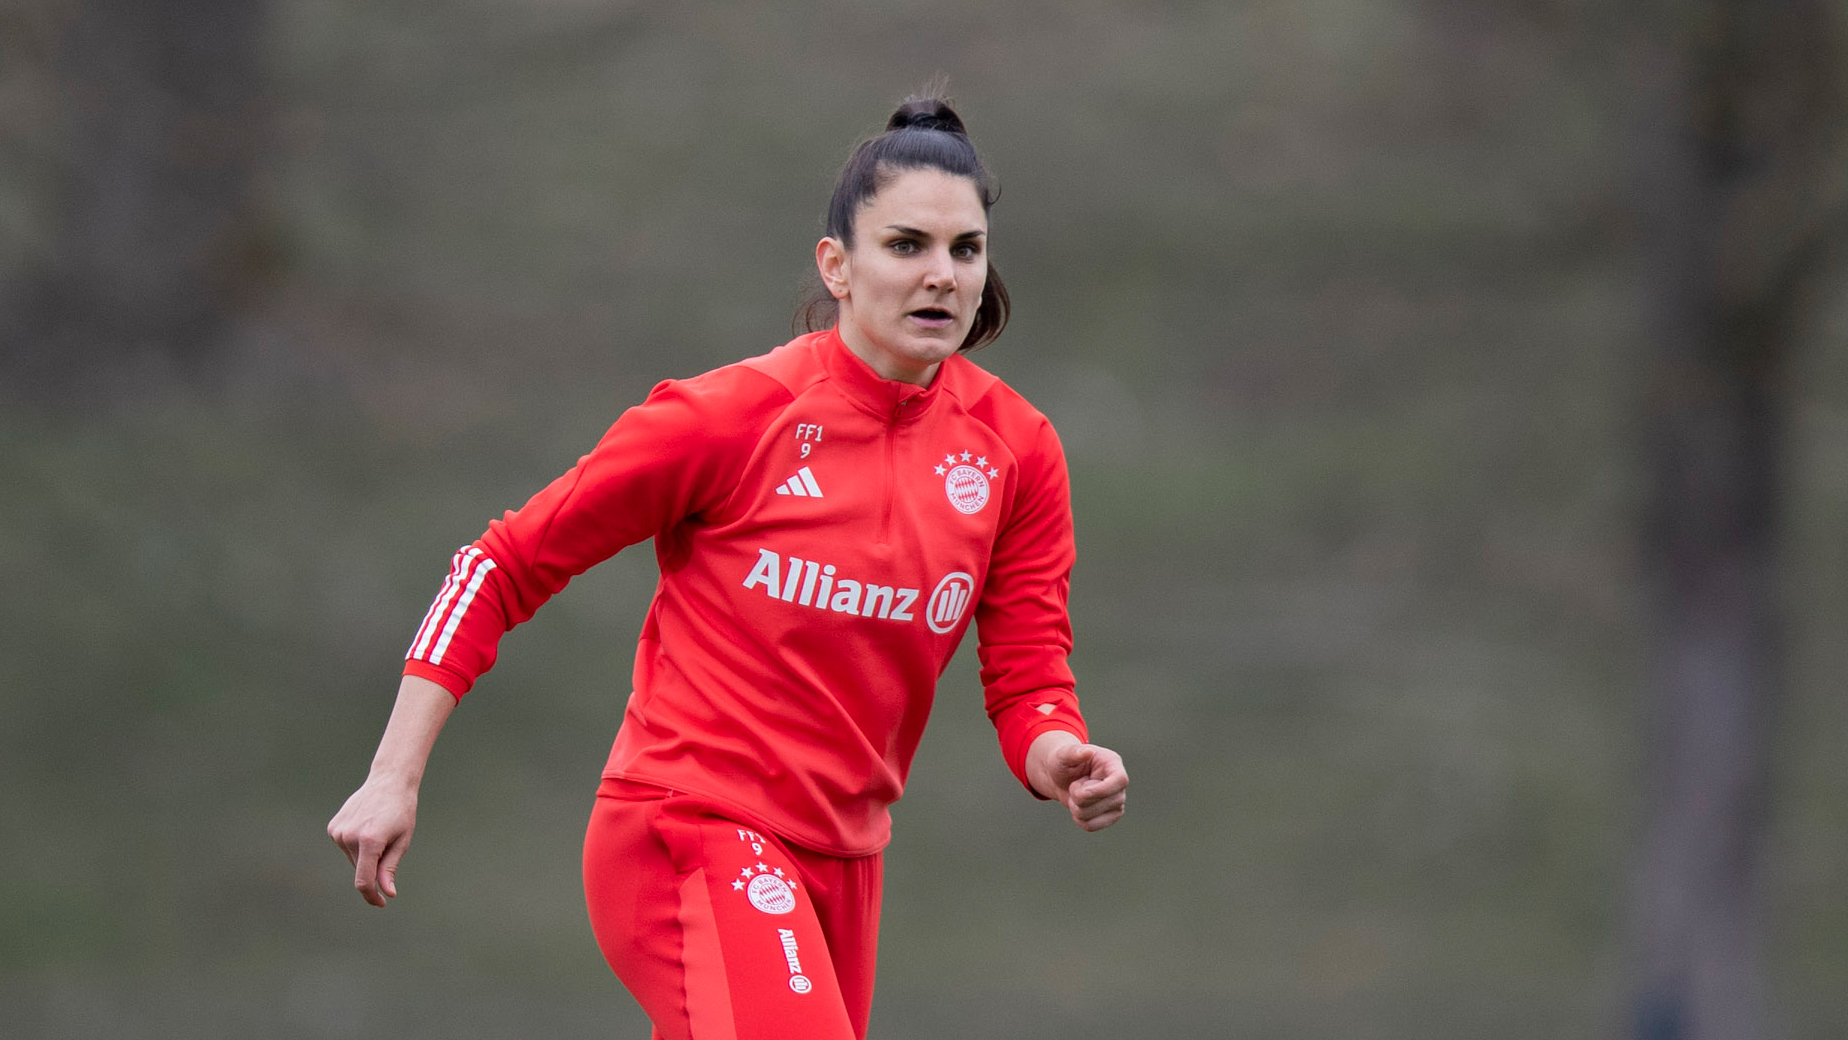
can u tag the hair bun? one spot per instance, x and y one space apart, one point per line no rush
930 113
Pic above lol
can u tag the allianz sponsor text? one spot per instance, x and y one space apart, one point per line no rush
818 585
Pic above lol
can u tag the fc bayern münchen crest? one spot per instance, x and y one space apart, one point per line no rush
768 890
965 484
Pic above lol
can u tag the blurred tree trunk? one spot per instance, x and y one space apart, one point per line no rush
149 151
1739 97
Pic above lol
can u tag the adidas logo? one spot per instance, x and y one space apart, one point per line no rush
802 484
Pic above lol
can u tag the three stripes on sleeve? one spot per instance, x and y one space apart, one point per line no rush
467 571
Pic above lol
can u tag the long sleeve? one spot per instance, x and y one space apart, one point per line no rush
672 457
1024 628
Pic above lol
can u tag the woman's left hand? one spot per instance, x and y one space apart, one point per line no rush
1087 779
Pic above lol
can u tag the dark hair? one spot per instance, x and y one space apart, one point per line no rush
924 134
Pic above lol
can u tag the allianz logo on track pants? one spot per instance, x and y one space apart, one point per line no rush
721 930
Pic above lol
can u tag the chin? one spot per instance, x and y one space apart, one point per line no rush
932 353
937 346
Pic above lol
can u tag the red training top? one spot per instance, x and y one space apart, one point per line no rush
822 535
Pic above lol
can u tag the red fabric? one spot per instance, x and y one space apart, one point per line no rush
721 930
824 538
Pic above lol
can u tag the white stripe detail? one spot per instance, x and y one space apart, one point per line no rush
426 631
429 614
474 585
801 485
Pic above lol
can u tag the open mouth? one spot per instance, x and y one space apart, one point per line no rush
932 315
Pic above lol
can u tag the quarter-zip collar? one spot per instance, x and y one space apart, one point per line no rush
890 399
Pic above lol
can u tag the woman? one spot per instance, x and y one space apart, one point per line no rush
828 519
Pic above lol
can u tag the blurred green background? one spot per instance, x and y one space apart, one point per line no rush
1338 306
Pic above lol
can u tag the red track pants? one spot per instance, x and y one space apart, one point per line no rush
722 931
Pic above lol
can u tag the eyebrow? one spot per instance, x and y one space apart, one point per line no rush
917 233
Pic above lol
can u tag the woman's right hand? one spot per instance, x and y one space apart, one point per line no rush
374 828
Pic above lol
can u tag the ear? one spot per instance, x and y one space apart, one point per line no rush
831 261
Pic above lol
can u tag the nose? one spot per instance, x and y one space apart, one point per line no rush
941 276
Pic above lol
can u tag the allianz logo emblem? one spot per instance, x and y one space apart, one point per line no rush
948 601
821 586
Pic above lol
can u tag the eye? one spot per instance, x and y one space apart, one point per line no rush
904 246
966 250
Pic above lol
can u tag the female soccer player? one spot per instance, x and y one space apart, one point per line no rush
828 518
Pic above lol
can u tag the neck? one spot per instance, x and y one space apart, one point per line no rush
883 364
